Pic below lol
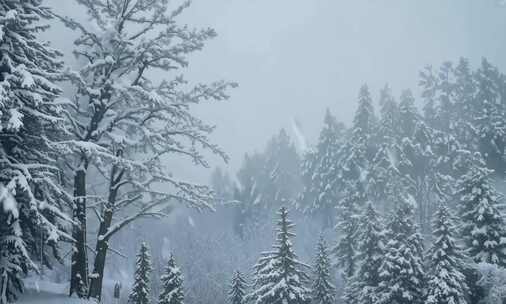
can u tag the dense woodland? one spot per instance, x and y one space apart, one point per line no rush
404 205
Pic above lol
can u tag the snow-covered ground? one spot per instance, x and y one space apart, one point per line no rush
49 298
42 292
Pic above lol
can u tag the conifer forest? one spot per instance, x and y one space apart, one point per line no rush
252 152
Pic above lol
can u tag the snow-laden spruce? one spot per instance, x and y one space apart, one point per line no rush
364 118
32 218
401 274
468 105
249 194
237 292
426 175
279 276
489 112
323 290
463 93
445 280
383 176
361 288
321 173
282 169
348 211
141 290
408 114
266 181
171 284
14 258
389 170
482 223
354 164
126 123
357 149
388 126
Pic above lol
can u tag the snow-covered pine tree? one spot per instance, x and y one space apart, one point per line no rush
408 114
445 107
462 126
364 118
141 290
266 181
348 211
470 106
14 259
357 152
402 277
482 223
249 194
31 126
172 284
321 174
445 280
282 166
279 276
476 291
388 128
237 292
126 122
429 84
361 288
309 165
489 116
359 147
323 290
427 166
417 163
383 176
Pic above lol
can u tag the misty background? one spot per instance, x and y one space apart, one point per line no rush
295 58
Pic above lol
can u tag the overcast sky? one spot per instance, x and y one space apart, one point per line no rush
295 58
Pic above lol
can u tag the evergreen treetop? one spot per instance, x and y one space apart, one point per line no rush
141 290
446 282
482 223
361 288
237 292
321 172
323 290
371 245
172 284
408 114
279 276
348 210
402 276
388 129
364 118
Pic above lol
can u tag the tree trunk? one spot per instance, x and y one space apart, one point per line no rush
96 279
97 275
79 267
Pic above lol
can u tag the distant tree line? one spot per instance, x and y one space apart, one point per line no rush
410 190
